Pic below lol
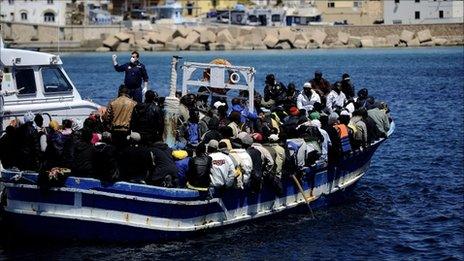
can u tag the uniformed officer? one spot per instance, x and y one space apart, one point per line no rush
135 74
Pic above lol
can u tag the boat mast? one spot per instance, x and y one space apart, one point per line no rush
171 106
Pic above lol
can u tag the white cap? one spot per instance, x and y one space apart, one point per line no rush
307 85
273 137
218 104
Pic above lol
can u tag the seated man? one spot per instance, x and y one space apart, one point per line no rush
223 168
164 171
335 99
199 170
307 98
378 112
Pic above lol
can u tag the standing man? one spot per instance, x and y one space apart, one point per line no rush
135 73
118 116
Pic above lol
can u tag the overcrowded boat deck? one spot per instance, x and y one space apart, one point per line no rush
148 168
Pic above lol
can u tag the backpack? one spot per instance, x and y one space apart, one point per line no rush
193 132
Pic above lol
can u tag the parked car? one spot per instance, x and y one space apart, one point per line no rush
138 14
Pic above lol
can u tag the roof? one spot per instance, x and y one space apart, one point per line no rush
26 58
303 12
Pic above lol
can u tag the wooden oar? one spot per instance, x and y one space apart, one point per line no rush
297 183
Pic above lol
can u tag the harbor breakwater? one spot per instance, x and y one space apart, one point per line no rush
228 37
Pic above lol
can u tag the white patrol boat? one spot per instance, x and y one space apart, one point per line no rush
37 82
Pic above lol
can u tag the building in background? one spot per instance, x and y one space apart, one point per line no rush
356 12
51 12
423 11
56 12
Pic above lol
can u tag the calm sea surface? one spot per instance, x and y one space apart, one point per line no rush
410 205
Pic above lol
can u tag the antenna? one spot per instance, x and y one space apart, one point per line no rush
58 32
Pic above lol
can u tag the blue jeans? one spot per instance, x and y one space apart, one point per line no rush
136 94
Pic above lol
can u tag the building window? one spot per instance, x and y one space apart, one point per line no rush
11 2
49 17
417 15
417 1
331 4
50 2
23 16
440 14
275 18
397 1
397 22
357 4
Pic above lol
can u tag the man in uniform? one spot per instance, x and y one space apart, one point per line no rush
135 74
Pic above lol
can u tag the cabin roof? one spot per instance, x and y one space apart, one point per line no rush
10 57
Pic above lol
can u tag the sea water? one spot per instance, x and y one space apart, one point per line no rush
409 205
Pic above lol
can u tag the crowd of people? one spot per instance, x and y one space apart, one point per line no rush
219 144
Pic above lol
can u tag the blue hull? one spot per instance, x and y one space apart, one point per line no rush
19 227
86 209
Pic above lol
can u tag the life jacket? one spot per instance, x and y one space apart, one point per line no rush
343 133
193 133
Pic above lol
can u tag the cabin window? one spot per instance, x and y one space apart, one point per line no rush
25 80
54 80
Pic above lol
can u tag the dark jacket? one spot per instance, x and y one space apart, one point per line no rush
106 163
373 133
347 88
84 157
256 176
211 135
335 150
28 146
277 92
9 149
147 119
135 163
54 151
135 73
164 169
68 149
199 171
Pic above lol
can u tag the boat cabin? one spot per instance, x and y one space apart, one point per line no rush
37 82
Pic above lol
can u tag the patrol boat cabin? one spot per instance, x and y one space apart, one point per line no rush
37 82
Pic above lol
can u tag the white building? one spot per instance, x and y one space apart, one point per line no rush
36 12
423 11
51 12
